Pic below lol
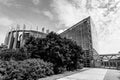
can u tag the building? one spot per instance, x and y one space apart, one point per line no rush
85 35
16 38
110 60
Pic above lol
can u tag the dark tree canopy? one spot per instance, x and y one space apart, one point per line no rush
63 53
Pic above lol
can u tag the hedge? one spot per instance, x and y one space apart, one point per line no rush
30 69
9 54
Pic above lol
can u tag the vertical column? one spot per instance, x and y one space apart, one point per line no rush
23 33
43 29
16 38
37 32
11 40
104 64
109 63
6 39
112 64
116 64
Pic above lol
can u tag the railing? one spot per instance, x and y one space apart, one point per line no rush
111 64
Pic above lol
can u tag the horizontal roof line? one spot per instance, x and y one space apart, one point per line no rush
27 31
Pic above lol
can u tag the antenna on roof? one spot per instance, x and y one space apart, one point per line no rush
18 27
47 31
37 31
43 29
37 28
31 27
24 27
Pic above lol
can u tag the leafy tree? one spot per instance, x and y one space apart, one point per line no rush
63 53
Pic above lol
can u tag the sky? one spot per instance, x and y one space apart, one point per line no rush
59 15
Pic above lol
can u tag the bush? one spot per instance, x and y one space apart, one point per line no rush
30 69
64 53
9 54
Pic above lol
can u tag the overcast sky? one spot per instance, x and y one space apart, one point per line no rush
58 15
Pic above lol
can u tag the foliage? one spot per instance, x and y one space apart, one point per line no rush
28 63
30 69
63 53
9 54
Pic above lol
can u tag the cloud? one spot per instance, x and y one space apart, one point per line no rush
72 12
10 3
68 13
4 21
48 14
6 2
109 46
60 31
36 2
104 13
36 10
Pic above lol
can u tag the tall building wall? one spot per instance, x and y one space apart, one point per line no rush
81 33
85 36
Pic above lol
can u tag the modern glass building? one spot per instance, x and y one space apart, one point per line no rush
85 35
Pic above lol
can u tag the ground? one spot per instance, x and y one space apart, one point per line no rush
88 74
112 75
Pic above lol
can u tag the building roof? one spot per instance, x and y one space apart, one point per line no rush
29 31
109 54
80 22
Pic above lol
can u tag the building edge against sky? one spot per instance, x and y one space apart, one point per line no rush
85 35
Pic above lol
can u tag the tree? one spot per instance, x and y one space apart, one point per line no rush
63 53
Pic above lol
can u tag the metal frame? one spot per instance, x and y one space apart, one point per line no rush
110 60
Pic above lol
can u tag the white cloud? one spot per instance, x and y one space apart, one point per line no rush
104 13
5 21
110 46
60 31
48 14
69 13
36 2
10 3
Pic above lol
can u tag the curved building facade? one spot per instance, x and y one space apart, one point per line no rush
16 38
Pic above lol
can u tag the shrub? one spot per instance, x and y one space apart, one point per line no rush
30 69
9 54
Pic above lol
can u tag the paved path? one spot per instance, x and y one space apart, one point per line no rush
112 75
89 74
